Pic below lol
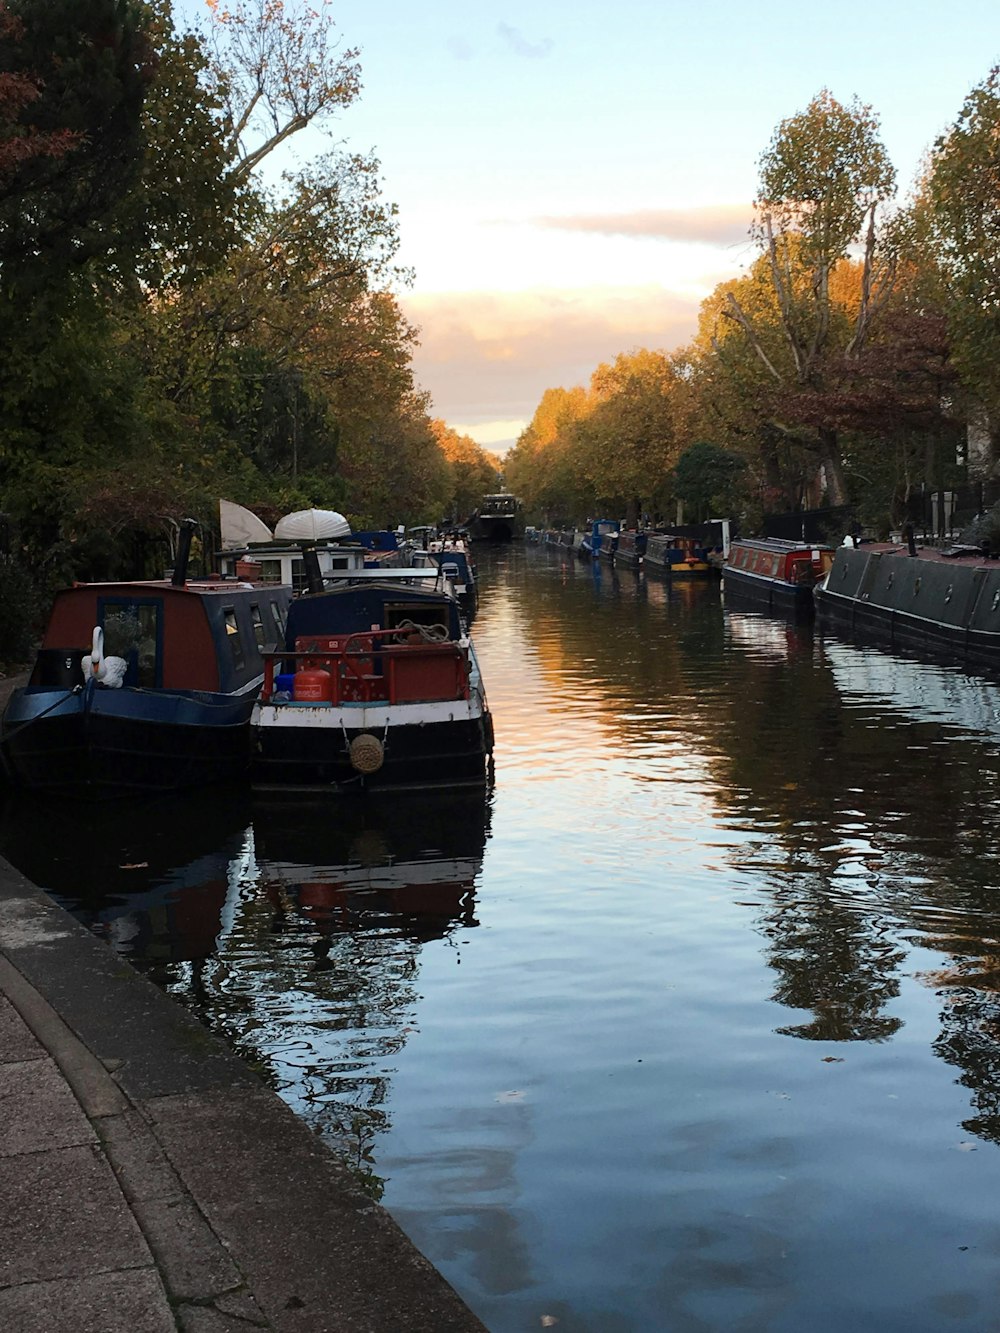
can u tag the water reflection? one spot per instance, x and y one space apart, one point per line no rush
152 877
694 1026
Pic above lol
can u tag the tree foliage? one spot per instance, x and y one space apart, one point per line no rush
175 326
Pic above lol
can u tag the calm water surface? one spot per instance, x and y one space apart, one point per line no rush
692 1026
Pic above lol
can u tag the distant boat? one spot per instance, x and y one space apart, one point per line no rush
602 531
678 556
498 519
450 552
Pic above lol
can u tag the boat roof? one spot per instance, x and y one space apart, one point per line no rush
357 604
148 587
779 544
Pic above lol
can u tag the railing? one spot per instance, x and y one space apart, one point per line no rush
393 666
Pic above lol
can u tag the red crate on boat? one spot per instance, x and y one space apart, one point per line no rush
433 671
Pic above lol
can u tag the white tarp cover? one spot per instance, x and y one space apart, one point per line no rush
312 525
238 526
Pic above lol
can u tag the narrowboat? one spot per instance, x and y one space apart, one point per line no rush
497 519
630 549
943 603
676 556
601 530
376 687
163 698
774 575
451 554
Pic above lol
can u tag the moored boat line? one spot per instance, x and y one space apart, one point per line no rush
941 602
173 704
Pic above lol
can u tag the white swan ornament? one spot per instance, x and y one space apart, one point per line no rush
106 670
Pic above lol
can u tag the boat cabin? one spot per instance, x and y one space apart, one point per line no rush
198 636
275 563
784 561
394 642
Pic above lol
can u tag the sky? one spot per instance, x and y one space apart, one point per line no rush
574 178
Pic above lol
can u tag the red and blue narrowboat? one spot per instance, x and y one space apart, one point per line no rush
775 575
377 687
143 686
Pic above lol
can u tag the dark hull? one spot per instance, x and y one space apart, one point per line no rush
947 611
99 743
767 594
441 755
498 530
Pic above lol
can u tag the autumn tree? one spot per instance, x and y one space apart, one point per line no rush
76 73
543 468
473 469
825 180
627 443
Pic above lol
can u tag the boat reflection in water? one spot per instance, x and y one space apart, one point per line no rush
410 869
294 930
152 877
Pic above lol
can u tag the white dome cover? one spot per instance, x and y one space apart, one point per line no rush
238 526
312 525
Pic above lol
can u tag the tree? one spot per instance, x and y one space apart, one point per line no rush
79 70
824 179
543 468
706 478
278 69
474 471
627 441
958 221
20 141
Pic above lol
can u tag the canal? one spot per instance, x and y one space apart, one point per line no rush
692 1025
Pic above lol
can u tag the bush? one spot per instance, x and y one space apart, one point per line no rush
20 613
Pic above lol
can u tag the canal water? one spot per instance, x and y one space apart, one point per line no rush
692 1025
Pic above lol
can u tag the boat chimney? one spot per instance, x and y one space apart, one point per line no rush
179 577
911 545
314 575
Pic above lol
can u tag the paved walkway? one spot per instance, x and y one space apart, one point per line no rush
149 1182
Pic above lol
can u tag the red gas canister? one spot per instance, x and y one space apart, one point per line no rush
312 686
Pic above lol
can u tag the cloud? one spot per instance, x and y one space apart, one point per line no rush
713 224
459 48
521 46
486 358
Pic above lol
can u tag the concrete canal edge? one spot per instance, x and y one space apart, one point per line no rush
151 1182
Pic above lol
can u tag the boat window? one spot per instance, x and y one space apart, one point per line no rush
278 616
233 635
132 630
258 626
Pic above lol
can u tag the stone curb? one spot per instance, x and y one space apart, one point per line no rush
251 1221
